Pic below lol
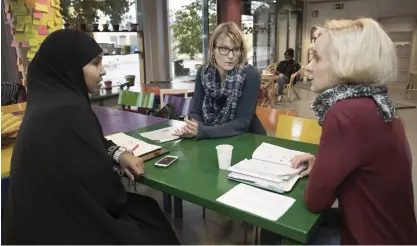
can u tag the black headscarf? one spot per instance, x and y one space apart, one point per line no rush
62 187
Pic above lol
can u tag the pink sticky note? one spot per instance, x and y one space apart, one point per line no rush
25 44
37 15
43 30
43 1
15 43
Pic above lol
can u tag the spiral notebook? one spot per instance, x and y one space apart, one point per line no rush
269 168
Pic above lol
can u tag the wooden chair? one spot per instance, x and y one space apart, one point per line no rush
269 117
176 92
298 129
290 86
136 101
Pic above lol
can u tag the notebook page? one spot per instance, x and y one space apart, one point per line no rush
276 154
253 200
129 143
161 135
284 185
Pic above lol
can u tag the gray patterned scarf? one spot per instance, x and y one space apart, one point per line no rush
220 102
323 102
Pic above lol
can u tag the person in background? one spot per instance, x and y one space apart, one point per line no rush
364 158
65 185
226 90
284 70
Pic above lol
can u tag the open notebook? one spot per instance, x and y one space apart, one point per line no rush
129 143
270 168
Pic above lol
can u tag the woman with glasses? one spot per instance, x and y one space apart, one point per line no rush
226 90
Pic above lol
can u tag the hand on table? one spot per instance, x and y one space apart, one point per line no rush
301 160
131 165
188 131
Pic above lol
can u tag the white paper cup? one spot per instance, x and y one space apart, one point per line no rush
224 155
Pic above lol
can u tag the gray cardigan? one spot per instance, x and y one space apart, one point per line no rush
245 119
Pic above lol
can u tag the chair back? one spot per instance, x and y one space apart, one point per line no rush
294 75
182 104
9 93
271 68
176 92
269 117
129 99
298 129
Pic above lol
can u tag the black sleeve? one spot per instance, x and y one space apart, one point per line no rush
244 113
196 111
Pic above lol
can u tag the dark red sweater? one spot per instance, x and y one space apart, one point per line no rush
366 164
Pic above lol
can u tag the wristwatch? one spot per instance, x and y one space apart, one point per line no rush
118 153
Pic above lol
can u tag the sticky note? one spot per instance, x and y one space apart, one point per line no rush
31 54
21 2
37 14
28 27
15 43
21 10
58 13
20 27
43 30
41 22
55 4
34 48
58 21
14 5
41 7
20 37
21 68
33 42
43 1
40 39
51 24
30 4
24 19
25 44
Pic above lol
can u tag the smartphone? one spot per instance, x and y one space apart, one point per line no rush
166 161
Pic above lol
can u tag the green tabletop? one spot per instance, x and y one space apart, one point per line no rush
195 177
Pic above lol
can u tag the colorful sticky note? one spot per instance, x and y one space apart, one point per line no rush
15 43
37 14
28 27
43 30
58 13
24 19
21 68
40 39
33 42
20 27
58 21
20 37
30 4
25 44
41 22
43 1
41 7
21 2
21 10
31 54
34 48
55 4
51 24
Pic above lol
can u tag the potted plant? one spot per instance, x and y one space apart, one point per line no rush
106 27
95 27
133 27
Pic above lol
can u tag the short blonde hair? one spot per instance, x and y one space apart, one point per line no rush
231 30
360 51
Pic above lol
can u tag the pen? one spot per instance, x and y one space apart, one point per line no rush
134 148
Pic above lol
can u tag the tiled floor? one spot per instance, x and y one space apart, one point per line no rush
217 229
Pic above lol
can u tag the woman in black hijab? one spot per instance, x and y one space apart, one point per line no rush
65 186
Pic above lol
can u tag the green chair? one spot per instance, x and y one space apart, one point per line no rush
136 101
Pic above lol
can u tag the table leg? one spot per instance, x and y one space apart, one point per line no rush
178 207
167 202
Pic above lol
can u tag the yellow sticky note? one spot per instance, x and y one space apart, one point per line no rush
30 4
58 13
16 5
20 37
41 7
34 48
20 67
24 19
31 54
58 21
41 22
20 27
33 42
29 27
21 2
19 10
40 38
51 24
55 4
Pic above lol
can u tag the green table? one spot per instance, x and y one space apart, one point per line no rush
195 177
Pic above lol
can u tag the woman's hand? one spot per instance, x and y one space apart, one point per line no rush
131 165
302 160
188 131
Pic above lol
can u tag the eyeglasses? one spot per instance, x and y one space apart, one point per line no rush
224 51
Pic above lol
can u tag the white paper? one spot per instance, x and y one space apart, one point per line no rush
161 135
263 169
265 204
272 153
129 143
284 185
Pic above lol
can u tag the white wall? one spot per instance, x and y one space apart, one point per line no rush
352 9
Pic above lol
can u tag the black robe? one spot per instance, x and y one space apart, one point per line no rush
63 186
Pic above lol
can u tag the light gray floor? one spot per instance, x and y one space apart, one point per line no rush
217 229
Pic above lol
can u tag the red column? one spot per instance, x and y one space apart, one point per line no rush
229 10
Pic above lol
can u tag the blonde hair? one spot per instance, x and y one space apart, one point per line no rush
231 30
360 51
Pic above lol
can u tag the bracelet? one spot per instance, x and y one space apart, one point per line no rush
118 153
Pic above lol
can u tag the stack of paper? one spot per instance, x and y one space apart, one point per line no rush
130 143
270 168
262 203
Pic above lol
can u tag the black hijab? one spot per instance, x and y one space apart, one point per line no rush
62 187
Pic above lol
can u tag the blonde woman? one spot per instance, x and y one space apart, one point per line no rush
363 159
226 90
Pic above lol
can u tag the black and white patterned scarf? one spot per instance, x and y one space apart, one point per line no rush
323 102
220 102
